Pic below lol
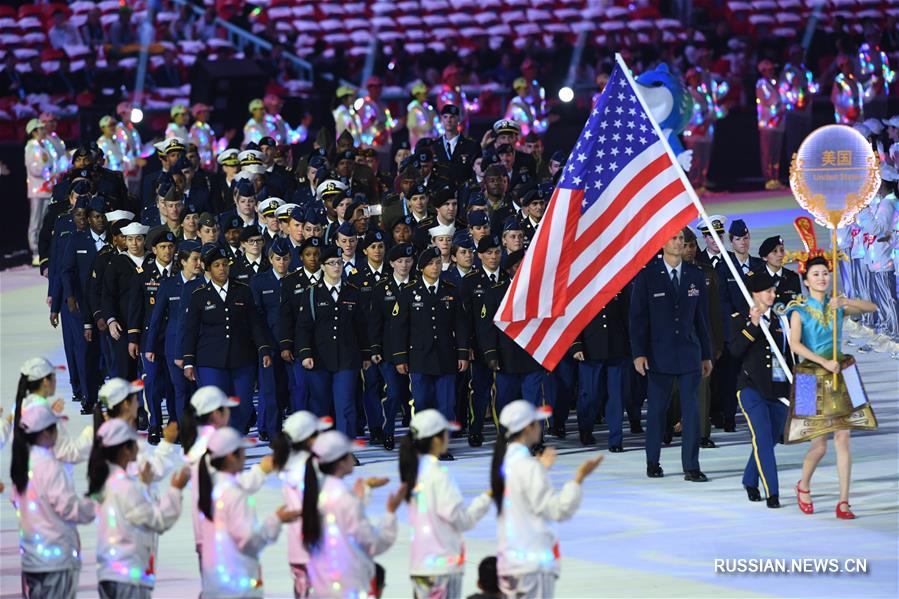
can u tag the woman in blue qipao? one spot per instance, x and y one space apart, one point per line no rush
817 406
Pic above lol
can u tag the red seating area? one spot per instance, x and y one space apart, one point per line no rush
787 18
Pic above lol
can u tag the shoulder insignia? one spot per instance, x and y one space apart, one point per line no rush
239 282
470 273
449 284
410 284
352 285
200 287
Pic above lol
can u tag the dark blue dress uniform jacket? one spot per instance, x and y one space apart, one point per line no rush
751 350
430 332
380 317
493 343
333 334
224 333
668 326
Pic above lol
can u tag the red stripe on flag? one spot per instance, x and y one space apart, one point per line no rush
560 285
659 201
617 283
538 263
617 206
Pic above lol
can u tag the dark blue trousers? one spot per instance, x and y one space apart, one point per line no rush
73 342
481 384
510 387
107 355
182 387
233 381
272 381
334 394
659 387
766 418
435 391
398 394
558 392
299 393
595 377
157 385
373 387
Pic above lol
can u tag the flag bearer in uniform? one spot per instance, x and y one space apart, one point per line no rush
761 383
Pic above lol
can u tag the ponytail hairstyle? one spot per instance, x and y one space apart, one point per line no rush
497 476
113 412
21 447
282 447
187 429
204 484
410 452
98 464
312 518
25 388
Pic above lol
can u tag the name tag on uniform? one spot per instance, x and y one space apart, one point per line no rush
80 251
662 294
298 291
267 291
323 304
210 307
239 304
174 298
417 305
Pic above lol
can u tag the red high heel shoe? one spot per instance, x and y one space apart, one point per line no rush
845 514
806 507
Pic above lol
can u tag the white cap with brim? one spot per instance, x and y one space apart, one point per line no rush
37 417
893 121
115 391
517 415
116 431
36 369
32 125
210 398
427 423
330 446
225 441
135 229
301 425
253 169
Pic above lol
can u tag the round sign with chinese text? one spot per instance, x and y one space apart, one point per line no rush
834 174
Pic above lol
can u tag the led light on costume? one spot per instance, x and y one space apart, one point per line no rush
208 146
40 166
848 99
376 123
346 119
174 130
282 132
253 131
130 143
874 70
525 114
421 121
769 106
116 159
797 86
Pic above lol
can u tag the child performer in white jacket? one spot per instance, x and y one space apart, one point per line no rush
37 383
48 508
232 536
341 541
129 518
120 399
209 409
528 552
437 512
290 450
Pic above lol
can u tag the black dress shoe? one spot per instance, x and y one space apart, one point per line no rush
446 457
666 438
142 422
86 410
730 426
773 501
653 470
389 442
475 439
616 449
587 439
376 437
559 431
154 436
77 397
753 493
636 428
695 476
264 437
707 443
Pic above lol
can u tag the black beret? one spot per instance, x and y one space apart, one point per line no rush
768 245
163 236
488 242
212 252
400 250
328 252
427 255
512 259
450 109
233 223
248 233
759 281
311 242
373 236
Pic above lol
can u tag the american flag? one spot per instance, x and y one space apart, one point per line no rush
621 197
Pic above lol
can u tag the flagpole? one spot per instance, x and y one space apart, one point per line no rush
705 217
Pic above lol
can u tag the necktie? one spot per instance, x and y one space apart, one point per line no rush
377 277
745 268
334 293
674 279
493 278
715 260
223 292
776 280
432 289
255 266
165 273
